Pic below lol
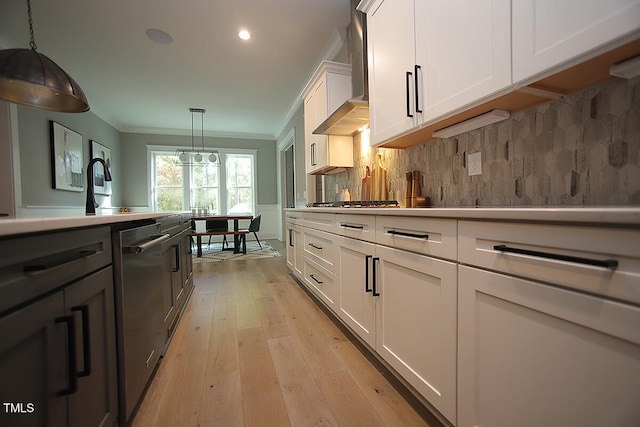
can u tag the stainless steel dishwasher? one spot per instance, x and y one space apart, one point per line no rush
141 337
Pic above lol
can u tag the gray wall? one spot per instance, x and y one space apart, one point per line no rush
583 149
136 174
35 155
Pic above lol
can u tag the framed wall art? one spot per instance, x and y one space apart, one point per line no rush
67 158
100 185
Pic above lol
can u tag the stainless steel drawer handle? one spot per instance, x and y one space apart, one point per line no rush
137 249
355 227
315 246
405 234
607 263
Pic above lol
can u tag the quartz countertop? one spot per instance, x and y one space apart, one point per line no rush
12 226
622 215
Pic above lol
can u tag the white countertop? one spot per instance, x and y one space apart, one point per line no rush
35 225
622 215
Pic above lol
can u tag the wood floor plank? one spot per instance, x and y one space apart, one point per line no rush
263 403
350 406
388 403
221 401
271 318
311 341
306 405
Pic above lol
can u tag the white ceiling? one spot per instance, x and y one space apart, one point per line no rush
248 88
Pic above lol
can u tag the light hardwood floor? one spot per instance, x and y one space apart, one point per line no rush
253 349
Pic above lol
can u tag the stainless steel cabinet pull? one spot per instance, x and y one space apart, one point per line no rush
58 261
313 154
375 281
415 69
355 227
315 280
366 273
137 249
72 379
607 263
408 81
86 339
405 234
315 246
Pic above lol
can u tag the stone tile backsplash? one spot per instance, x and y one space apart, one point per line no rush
583 149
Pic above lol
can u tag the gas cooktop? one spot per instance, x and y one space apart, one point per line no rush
356 204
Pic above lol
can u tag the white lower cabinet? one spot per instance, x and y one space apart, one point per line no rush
404 306
531 354
356 305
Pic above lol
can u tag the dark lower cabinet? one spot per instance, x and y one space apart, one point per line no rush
57 358
57 330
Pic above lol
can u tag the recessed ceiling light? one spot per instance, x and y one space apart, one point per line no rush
159 36
244 35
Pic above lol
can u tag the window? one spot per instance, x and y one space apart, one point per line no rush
205 189
200 185
240 183
168 183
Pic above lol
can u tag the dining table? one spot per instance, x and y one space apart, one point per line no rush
229 217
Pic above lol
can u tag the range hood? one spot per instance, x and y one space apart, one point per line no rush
353 114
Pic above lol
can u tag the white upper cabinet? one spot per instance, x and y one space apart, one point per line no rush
548 33
392 59
464 50
428 58
327 89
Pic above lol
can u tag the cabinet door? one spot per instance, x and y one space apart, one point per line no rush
391 45
533 355
169 310
177 283
186 263
416 323
299 253
91 302
315 104
291 253
460 67
34 365
548 33
356 304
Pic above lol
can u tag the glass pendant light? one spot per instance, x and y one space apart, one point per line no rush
30 78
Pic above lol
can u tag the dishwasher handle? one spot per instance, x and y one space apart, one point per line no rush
137 249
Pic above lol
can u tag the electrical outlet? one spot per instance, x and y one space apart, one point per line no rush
474 163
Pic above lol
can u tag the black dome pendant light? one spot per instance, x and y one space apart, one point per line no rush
30 78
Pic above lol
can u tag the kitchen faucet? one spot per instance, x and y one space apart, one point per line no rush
91 200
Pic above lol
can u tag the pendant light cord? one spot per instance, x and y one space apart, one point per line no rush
32 43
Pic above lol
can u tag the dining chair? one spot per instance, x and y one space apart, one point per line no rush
213 225
254 227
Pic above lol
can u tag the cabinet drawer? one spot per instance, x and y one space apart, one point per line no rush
293 217
320 281
436 237
361 227
33 265
573 257
319 246
319 221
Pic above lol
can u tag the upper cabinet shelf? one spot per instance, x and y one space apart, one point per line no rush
434 63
